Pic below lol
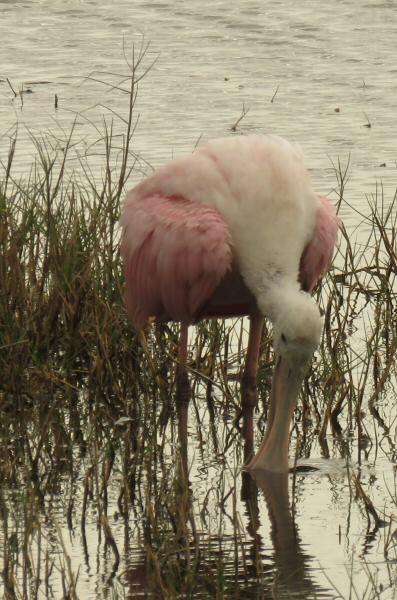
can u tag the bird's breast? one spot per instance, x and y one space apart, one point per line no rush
231 298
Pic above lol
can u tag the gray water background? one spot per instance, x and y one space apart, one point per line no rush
331 70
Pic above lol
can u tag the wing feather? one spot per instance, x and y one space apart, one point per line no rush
175 252
317 255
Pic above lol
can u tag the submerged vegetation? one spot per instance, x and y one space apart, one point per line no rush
89 428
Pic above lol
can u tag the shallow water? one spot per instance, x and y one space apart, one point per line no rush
330 70
305 538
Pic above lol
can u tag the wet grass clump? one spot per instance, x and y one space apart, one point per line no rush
90 457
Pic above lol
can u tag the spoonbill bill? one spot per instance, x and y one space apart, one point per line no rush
235 229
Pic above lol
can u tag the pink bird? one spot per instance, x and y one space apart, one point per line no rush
235 229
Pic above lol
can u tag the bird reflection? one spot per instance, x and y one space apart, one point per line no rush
292 564
276 568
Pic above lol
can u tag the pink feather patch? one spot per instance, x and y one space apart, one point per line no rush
175 252
317 255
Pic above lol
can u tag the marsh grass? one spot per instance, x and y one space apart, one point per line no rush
88 430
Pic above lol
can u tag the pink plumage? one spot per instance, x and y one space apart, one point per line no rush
317 255
235 229
175 254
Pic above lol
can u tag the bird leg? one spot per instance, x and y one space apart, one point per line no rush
182 395
249 392
182 379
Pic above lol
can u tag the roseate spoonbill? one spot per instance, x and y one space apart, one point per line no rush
235 229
